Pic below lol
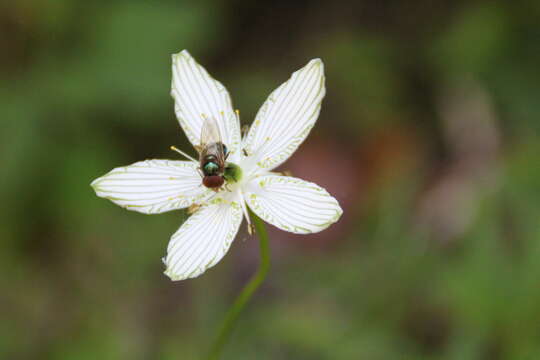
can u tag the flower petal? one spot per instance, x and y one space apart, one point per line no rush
197 95
287 116
203 239
292 204
153 186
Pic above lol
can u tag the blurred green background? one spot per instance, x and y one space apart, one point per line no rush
428 136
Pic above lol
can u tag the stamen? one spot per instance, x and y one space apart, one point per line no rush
173 148
244 210
244 130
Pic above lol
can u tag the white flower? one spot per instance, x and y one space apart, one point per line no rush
281 125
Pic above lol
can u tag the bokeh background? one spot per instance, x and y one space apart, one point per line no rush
428 136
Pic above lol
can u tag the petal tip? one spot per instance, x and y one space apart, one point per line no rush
317 62
183 53
179 277
339 212
171 276
94 184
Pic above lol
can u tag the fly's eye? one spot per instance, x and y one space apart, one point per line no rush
210 167
225 150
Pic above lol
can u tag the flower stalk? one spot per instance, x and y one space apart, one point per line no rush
247 292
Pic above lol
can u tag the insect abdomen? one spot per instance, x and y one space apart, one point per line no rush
213 181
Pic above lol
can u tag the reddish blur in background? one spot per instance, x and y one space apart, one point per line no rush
428 136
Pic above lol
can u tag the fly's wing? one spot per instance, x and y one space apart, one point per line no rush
209 132
211 143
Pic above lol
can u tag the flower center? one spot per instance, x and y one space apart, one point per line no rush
233 173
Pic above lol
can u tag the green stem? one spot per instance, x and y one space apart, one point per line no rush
247 292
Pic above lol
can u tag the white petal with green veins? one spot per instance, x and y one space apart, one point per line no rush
198 95
287 116
202 240
292 204
153 186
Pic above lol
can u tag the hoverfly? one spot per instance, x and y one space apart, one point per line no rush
212 155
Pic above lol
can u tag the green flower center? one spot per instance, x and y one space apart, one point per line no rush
233 173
